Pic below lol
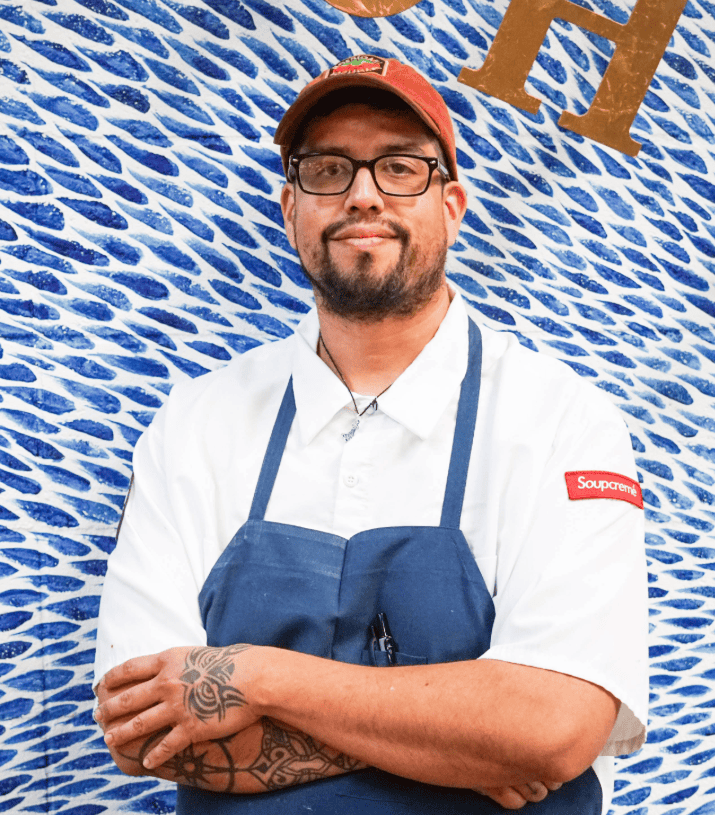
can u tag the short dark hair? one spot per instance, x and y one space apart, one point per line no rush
371 97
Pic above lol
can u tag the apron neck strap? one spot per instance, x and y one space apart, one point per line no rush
463 432
274 454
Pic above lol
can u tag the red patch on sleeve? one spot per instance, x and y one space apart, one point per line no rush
601 484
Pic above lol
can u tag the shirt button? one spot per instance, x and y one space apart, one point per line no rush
350 480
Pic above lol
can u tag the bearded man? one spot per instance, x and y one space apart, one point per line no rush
357 573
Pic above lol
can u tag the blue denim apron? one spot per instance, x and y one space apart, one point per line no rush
314 592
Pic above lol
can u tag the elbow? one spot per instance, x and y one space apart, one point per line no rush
580 738
567 766
574 755
551 765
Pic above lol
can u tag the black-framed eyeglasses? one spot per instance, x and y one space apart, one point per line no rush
393 174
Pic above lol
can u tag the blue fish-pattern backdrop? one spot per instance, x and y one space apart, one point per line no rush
141 242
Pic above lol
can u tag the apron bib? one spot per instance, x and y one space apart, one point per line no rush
310 591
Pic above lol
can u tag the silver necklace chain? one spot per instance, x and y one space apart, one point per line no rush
373 404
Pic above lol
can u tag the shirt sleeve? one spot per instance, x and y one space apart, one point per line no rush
571 583
150 597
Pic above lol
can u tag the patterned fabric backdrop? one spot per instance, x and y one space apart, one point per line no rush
141 243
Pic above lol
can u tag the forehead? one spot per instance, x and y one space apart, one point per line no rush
355 128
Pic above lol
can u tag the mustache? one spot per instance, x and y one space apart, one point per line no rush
330 231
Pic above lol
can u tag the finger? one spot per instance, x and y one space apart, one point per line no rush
512 799
508 797
149 721
553 786
534 791
133 670
132 700
173 743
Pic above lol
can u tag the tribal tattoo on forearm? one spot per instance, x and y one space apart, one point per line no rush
207 766
287 757
206 677
290 757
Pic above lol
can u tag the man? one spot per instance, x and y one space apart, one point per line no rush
418 613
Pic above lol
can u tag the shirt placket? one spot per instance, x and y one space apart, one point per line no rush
352 510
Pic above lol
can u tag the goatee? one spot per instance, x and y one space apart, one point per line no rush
360 294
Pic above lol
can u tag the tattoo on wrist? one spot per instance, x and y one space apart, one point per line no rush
206 677
290 757
286 757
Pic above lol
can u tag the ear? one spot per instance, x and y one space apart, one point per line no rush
454 201
288 208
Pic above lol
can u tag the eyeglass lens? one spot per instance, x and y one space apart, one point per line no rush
397 175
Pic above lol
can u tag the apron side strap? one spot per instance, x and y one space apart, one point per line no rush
463 433
274 454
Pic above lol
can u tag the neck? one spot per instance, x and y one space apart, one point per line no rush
371 355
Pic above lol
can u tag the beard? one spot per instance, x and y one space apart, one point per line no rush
361 294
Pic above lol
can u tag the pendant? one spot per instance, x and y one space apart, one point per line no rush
356 423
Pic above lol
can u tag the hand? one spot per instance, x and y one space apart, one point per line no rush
198 693
516 797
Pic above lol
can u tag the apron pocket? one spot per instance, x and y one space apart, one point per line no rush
379 658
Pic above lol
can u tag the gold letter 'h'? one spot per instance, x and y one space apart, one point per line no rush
640 44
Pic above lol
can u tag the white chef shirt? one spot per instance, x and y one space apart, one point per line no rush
568 576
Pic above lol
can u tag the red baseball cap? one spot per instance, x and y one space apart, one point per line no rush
365 70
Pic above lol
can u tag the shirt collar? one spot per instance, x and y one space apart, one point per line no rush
416 399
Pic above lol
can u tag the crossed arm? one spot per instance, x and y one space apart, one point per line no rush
263 757
251 719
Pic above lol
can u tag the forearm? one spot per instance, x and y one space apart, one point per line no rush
466 724
265 756
477 724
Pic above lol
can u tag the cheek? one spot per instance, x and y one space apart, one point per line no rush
306 225
430 230
301 230
307 230
426 216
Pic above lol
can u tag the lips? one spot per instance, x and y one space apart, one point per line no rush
362 232
356 231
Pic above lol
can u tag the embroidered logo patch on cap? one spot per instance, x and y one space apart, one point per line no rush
601 484
360 64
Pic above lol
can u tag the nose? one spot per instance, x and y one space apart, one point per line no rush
363 193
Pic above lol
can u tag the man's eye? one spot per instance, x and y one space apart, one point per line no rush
332 169
325 170
400 167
